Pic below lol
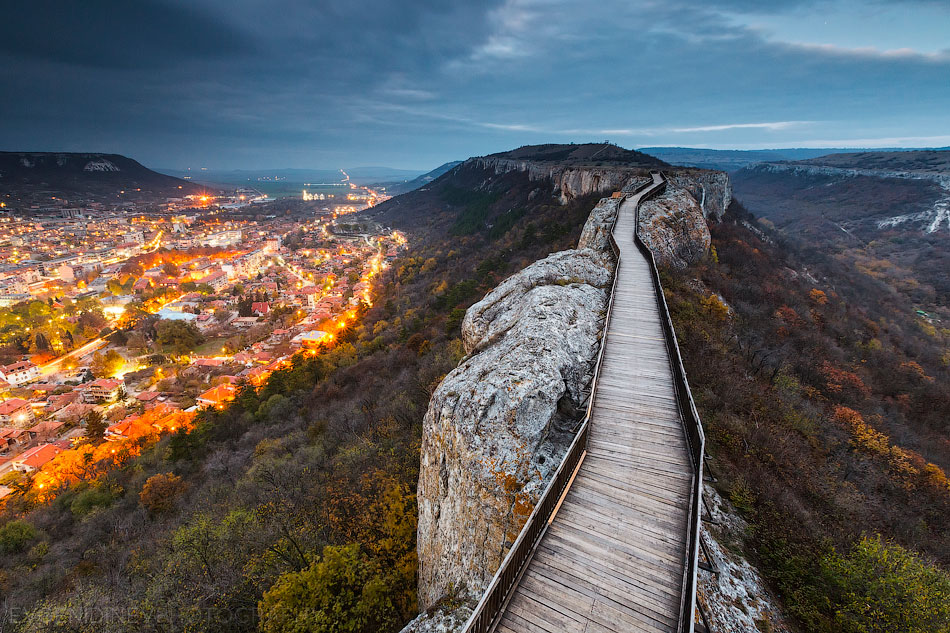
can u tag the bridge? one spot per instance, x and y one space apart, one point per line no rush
613 542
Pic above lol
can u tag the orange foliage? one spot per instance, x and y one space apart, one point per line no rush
789 316
87 462
840 380
905 463
818 296
914 368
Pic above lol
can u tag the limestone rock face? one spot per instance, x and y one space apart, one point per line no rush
499 425
440 620
673 226
712 190
736 599
569 182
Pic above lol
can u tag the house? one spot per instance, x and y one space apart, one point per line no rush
217 396
102 390
260 308
35 458
47 430
11 438
20 373
208 362
128 428
56 403
245 321
17 412
311 339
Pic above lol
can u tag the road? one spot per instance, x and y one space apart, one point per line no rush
54 365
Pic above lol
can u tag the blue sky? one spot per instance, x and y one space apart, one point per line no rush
298 83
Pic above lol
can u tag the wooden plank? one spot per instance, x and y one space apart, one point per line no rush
614 555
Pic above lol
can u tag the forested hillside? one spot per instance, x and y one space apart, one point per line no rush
825 403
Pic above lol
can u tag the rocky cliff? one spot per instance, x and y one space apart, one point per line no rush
499 424
711 189
673 227
568 181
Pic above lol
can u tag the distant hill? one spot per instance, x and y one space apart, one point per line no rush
411 185
583 154
887 212
28 176
931 161
728 159
734 159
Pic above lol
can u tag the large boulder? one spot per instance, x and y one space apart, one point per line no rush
499 424
673 226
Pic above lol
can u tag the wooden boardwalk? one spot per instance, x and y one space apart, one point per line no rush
614 555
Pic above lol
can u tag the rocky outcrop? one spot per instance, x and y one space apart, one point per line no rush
444 619
569 182
673 226
736 599
711 189
499 424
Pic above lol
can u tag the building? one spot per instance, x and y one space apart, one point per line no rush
217 396
16 412
13 298
20 373
218 281
35 458
312 339
102 390
243 322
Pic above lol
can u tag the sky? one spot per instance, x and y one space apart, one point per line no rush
229 84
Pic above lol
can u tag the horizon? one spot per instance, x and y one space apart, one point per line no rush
234 85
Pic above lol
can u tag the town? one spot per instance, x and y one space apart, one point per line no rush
119 322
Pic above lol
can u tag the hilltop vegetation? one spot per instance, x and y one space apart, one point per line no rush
582 154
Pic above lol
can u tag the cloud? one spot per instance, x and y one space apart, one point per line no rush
99 33
773 125
299 82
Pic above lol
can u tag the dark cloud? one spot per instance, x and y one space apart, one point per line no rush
115 33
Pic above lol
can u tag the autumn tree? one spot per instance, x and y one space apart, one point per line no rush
105 365
160 492
339 592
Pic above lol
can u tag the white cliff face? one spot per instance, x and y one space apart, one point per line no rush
673 227
711 189
499 424
569 182
930 220
736 599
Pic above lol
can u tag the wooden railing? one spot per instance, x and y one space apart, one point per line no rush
692 426
500 589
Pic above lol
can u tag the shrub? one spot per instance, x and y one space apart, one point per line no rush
15 536
160 492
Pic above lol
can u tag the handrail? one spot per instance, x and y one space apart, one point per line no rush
499 590
692 426
486 613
